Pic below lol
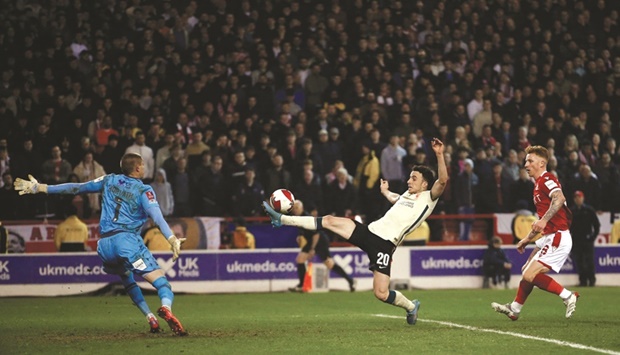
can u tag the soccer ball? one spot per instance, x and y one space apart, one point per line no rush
282 200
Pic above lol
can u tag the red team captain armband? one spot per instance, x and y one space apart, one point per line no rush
151 196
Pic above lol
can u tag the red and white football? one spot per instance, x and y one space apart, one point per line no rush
282 200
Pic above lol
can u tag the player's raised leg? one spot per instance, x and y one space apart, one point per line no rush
381 288
342 226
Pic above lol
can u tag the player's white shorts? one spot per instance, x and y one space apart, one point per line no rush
554 249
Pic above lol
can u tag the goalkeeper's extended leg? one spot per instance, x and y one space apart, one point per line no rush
135 293
164 290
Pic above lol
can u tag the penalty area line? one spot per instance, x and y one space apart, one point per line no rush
518 335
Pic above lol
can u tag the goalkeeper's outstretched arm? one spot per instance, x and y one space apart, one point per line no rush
152 209
32 186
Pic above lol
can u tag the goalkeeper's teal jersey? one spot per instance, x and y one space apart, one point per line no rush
127 203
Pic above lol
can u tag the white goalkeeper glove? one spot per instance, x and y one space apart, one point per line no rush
31 186
175 243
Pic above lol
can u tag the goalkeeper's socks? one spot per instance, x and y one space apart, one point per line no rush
135 293
164 290
301 273
305 222
399 300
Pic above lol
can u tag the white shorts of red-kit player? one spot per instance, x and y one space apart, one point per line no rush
554 249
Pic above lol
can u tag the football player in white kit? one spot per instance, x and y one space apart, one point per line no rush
380 238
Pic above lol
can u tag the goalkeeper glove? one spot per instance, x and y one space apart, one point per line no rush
175 243
30 186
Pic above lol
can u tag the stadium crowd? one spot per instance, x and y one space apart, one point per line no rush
229 100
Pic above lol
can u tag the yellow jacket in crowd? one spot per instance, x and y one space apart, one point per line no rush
72 232
243 239
368 167
155 241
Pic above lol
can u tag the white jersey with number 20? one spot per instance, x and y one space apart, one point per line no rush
404 216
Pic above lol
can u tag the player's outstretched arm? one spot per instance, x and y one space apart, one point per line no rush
385 191
149 202
442 179
32 186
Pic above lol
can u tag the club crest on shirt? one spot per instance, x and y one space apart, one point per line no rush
151 196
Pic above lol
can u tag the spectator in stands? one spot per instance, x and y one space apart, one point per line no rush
180 183
584 229
71 235
465 187
496 196
194 150
163 191
104 132
589 184
341 196
551 90
5 162
56 170
277 177
609 177
145 152
307 152
237 169
241 237
9 207
170 164
366 183
111 155
214 196
247 195
391 162
496 265
521 191
309 189
328 150
88 169
164 152
26 161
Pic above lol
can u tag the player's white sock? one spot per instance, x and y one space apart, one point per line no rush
565 294
305 222
149 316
516 307
403 302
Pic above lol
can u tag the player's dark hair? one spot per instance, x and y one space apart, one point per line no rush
129 162
427 174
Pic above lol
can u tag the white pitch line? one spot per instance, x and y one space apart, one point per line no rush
518 335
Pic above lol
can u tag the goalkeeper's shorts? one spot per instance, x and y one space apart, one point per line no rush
125 252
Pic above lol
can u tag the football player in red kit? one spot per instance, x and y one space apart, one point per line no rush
553 247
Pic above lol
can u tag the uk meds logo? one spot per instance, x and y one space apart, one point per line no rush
186 267
4 270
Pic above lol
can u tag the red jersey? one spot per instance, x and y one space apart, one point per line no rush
546 184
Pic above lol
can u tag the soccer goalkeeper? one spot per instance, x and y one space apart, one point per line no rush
127 203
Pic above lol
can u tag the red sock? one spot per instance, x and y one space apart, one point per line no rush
548 284
525 288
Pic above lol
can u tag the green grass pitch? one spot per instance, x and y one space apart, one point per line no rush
451 322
